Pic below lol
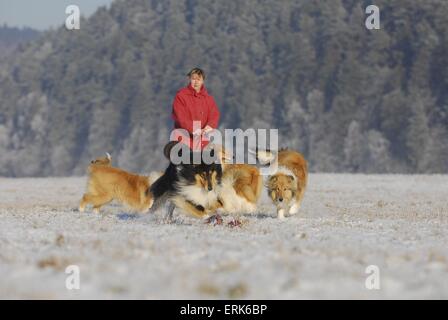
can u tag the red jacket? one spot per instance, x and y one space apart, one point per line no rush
189 106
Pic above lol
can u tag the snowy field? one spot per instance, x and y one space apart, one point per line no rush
347 222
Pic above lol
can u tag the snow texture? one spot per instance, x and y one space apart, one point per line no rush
347 222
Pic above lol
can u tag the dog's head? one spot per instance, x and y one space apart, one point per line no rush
104 161
205 176
202 168
208 176
281 188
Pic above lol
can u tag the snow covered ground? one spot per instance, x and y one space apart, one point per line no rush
347 222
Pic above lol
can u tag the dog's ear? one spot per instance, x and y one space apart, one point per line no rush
168 147
271 181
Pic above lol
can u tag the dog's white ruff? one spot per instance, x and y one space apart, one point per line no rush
284 170
232 202
198 195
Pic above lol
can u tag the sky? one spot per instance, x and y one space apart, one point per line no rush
43 14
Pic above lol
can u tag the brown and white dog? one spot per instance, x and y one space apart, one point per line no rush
240 188
238 191
286 186
106 183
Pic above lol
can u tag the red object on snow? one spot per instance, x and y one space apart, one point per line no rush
189 106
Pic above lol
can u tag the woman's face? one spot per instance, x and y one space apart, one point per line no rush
196 82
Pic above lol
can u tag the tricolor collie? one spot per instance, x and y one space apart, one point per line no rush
286 186
106 183
188 186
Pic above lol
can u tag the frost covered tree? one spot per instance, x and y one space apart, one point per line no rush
418 134
299 66
297 129
354 147
377 160
5 152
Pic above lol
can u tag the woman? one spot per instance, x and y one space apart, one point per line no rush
193 103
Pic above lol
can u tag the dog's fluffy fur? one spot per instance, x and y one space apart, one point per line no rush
240 188
190 187
106 183
287 186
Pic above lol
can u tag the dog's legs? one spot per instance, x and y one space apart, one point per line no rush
83 203
169 212
86 199
217 205
148 206
294 208
298 201
281 213
96 209
196 211
98 201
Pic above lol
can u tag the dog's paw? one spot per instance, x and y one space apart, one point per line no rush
294 209
167 220
215 220
281 214
235 223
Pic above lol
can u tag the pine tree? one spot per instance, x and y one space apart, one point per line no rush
354 147
418 134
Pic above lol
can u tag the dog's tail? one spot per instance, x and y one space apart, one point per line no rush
265 156
154 175
163 188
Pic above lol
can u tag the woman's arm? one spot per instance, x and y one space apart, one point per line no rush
213 114
181 115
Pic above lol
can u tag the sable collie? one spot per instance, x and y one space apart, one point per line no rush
287 186
188 186
106 183
240 187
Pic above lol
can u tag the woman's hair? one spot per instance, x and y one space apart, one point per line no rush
197 71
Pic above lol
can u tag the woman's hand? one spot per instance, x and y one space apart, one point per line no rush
207 129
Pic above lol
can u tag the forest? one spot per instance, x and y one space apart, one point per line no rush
350 99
